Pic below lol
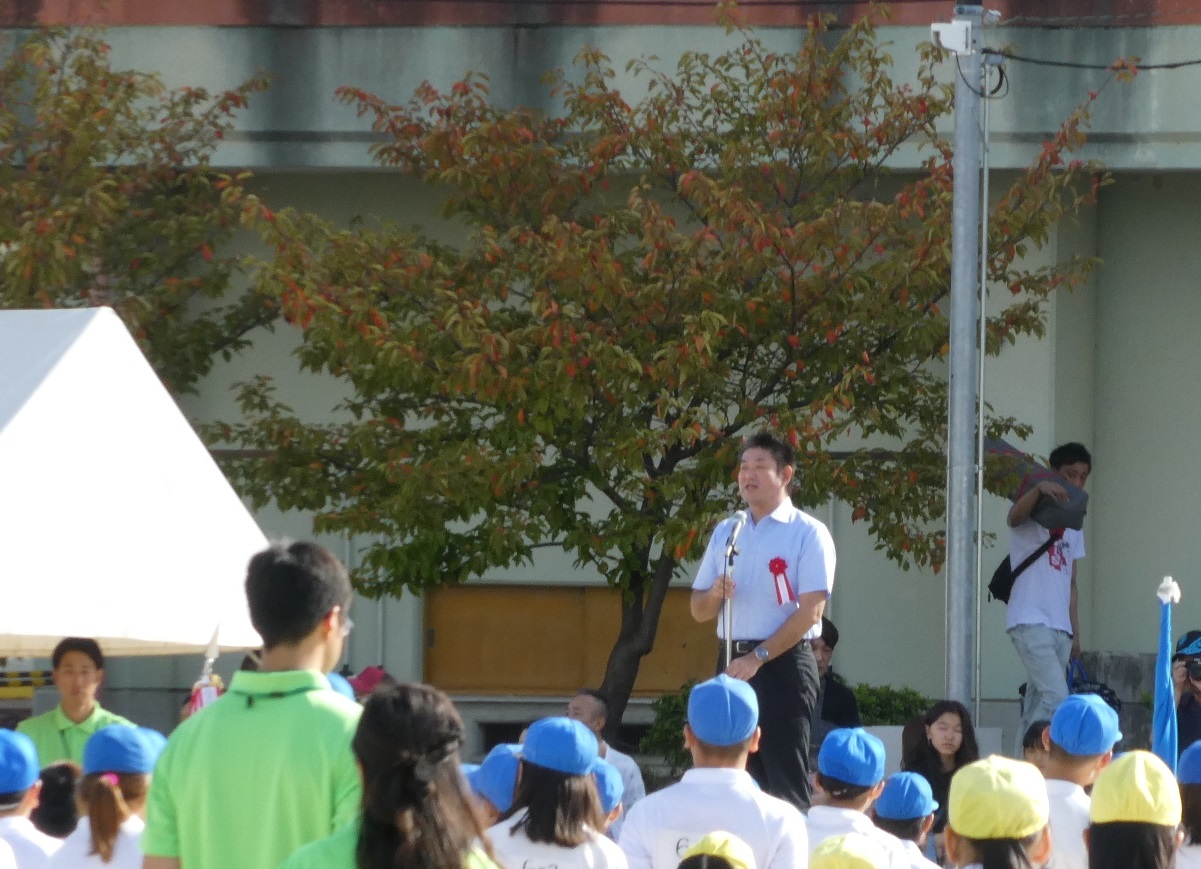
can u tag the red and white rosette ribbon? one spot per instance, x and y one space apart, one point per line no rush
779 573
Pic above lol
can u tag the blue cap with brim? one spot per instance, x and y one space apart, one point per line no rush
1188 768
122 748
560 744
608 784
723 711
1085 725
852 755
496 778
18 762
906 797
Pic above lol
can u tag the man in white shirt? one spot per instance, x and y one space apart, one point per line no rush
717 793
905 809
19 789
1041 618
782 575
591 708
1079 745
850 776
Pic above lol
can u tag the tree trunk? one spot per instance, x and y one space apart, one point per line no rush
639 625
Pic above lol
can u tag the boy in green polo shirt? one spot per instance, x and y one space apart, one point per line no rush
78 673
268 766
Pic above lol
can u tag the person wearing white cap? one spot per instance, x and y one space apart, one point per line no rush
19 790
1079 745
556 817
717 793
117 763
850 776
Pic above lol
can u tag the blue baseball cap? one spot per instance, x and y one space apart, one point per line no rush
122 748
852 755
906 797
608 784
723 711
560 744
1188 768
18 762
1084 724
496 778
1188 645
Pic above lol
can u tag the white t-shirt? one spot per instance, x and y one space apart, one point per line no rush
1042 592
666 823
917 859
7 860
828 821
31 847
633 788
1069 819
127 851
1188 857
514 850
785 554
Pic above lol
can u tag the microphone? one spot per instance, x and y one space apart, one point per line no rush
739 520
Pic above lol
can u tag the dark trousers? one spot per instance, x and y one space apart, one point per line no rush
786 688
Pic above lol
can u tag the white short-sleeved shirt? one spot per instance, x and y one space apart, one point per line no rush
31 847
666 823
1042 593
828 821
1188 857
633 788
127 851
917 859
782 556
7 860
1069 819
514 850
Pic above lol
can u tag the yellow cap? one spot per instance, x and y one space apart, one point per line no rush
719 843
1137 787
998 798
850 851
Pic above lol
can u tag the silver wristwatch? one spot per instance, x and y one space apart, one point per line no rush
762 654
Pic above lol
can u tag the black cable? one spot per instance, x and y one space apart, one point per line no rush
1002 80
1067 64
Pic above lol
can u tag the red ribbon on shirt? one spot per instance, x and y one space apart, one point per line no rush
779 572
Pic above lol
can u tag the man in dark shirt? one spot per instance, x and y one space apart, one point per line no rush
1188 689
836 706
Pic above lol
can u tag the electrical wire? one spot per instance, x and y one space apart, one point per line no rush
1068 64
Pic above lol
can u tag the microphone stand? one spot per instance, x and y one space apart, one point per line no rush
731 551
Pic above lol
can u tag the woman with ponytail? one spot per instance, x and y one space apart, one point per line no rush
117 763
416 812
998 816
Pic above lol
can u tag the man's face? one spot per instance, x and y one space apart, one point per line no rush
587 711
77 678
823 653
1075 473
761 482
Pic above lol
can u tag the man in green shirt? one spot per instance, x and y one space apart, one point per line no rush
78 673
267 767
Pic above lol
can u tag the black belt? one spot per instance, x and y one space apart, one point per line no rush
745 647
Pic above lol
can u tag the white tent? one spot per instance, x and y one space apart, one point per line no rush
115 521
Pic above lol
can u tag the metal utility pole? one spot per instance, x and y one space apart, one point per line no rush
962 36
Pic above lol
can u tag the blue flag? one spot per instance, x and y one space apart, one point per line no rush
1163 724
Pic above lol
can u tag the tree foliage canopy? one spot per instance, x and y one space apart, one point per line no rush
107 197
640 282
